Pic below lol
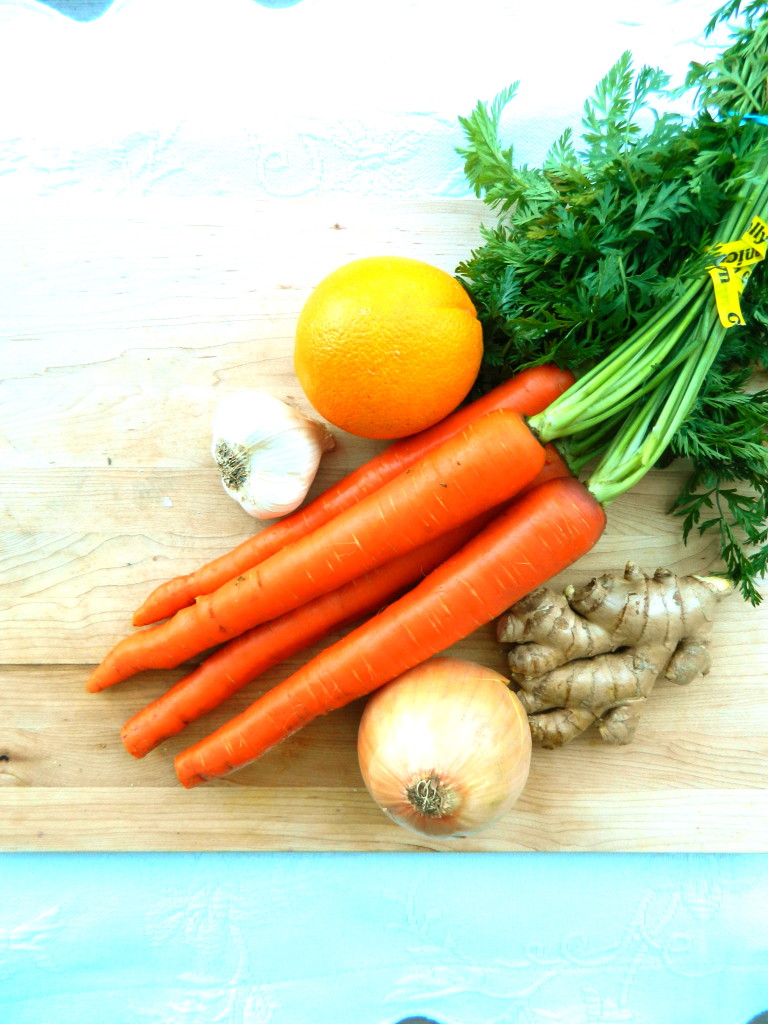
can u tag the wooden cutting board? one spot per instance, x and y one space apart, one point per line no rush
122 326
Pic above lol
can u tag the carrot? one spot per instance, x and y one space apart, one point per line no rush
528 392
486 464
538 536
554 467
241 660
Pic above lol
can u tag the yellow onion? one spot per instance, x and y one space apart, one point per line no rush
445 748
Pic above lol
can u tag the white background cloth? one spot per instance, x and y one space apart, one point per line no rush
228 97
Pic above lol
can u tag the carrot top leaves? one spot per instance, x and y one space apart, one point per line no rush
598 260
588 243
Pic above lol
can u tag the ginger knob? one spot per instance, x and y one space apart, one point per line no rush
592 654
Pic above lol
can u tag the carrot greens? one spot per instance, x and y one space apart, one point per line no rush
626 257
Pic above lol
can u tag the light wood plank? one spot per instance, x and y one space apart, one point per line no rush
121 328
234 817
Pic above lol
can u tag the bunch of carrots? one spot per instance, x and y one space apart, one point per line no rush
423 544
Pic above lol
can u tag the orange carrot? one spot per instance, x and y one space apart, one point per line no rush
538 536
554 466
238 662
486 464
528 392
241 660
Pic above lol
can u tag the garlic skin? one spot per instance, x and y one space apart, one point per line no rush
267 452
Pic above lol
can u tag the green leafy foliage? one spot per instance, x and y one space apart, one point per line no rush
617 224
588 244
727 490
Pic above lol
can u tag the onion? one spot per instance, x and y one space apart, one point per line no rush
445 748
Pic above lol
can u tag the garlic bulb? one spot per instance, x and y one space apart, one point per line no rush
267 452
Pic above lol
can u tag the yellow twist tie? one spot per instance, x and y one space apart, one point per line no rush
734 263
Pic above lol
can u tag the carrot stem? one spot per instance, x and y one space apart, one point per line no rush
648 387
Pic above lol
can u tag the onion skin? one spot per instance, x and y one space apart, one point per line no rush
445 749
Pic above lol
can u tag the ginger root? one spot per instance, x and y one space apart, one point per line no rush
591 655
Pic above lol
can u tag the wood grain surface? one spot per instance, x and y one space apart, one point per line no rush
122 326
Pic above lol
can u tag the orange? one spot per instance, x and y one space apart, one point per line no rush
386 346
